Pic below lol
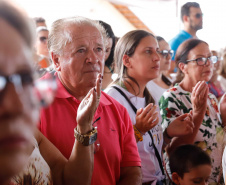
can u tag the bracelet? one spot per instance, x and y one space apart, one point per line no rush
86 139
167 135
138 133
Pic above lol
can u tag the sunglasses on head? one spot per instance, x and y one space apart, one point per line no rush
43 39
165 53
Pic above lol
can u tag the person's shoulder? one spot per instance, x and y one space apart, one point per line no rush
111 100
175 89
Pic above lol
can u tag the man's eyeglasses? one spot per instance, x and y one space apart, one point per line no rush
165 53
202 60
43 39
198 15
44 88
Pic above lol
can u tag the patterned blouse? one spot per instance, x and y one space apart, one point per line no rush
176 102
37 172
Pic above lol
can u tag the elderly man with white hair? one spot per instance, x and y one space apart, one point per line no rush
77 48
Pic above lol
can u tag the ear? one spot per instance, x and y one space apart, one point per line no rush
126 61
183 67
176 178
55 59
185 18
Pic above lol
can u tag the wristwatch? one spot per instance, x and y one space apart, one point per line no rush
86 139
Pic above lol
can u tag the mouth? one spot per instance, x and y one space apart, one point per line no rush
156 67
12 142
207 72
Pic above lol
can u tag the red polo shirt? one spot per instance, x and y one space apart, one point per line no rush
115 134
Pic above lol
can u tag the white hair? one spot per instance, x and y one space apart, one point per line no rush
60 35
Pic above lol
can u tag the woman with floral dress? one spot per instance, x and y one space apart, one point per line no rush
195 64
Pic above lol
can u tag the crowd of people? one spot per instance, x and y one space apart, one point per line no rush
66 120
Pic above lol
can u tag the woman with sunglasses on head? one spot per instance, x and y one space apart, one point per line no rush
160 84
195 68
137 59
26 156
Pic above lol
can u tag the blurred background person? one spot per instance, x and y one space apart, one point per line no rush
191 16
222 73
41 55
26 156
160 84
109 54
214 84
39 21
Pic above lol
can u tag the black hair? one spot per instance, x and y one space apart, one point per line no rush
110 34
185 157
182 55
39 19
159 38
185 9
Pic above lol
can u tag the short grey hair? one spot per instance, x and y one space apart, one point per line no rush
60 36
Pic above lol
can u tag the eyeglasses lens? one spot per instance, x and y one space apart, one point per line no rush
198 15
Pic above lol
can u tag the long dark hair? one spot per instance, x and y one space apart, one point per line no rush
127 46
182 55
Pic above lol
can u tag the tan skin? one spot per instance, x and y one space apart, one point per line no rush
195 82
19 114
191 25
87 58
164 64
143 66
41 46
197 175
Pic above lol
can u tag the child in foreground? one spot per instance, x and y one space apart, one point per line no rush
190 165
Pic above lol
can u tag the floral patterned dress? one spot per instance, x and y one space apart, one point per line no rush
37 171
176 102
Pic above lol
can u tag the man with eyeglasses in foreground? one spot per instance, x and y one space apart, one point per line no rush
77 46
191 16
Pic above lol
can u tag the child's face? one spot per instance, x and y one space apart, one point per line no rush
197 175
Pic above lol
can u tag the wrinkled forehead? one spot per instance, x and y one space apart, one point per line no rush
14 52
85 32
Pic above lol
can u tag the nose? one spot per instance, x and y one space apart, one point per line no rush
156 57
92 57
209 62
11 104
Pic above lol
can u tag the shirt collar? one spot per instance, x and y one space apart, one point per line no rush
63 93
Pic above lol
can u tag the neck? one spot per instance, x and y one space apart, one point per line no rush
191 31
187 84
135 90
78 92
214 78
159 78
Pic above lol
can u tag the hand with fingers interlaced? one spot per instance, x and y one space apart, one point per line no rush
88 107
146 118
199 98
